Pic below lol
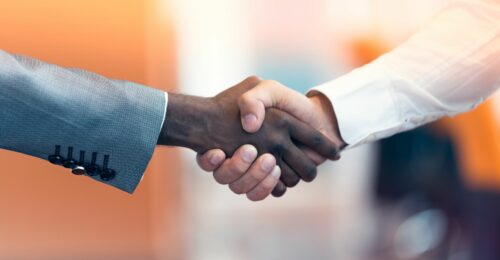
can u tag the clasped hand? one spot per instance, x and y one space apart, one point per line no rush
289 146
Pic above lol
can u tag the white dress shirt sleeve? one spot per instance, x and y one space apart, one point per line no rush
449 67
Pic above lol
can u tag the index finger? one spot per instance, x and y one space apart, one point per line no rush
313 139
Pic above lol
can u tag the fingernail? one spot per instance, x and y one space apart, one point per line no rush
267 164
249 120
216 159
249 154
276 173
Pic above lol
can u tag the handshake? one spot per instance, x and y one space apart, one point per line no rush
273 136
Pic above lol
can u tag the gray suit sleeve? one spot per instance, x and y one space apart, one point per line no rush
46 110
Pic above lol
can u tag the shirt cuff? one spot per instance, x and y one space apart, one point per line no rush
164 110
363 104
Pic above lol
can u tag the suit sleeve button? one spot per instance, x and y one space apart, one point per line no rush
108 174
93 170
70 163
56 159
78 170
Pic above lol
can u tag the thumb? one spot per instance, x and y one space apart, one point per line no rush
267 94
252 110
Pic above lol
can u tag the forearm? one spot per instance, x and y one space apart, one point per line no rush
84 119
449 67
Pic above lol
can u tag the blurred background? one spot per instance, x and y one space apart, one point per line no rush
431 193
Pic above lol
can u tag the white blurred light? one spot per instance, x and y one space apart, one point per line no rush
420 233
213 44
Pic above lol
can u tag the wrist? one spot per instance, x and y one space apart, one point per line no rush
326 118
186 122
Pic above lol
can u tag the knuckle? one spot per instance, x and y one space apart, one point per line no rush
262 190
289 178
219 178
237 166
292 181
253 78
267 186
255 177
315 157
202 161
267 158
310 173
279 191
204 166
293 184
280 119
255 197
243 98
279 146
238 189
317 139
330 151
283 122
227 173
334 152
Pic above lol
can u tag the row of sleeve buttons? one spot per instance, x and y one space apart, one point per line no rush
80 167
